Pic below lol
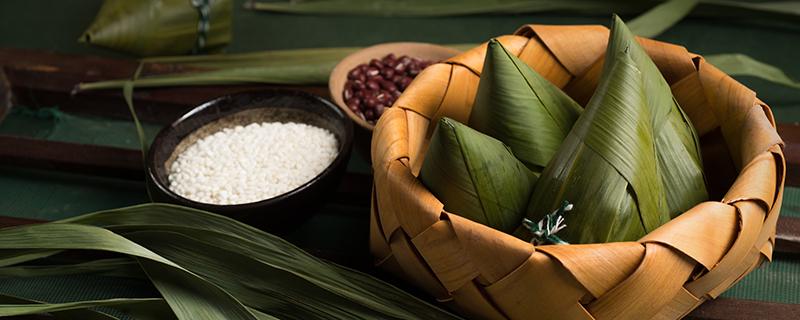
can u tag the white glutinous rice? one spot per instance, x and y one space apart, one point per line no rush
251 163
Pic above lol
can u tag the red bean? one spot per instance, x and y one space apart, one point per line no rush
372 72
353 74
358 84
397 79
387 73
387 85
383 97
376 63
414 70
371 102
373 84
405 82
348 91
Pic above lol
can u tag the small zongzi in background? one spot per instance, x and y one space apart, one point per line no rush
161 27
631 162
476 176
519 107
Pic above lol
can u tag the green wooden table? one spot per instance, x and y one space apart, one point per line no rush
339 230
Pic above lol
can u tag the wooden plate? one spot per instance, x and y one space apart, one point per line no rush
424 51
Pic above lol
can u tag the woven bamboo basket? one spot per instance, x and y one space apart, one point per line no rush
484 273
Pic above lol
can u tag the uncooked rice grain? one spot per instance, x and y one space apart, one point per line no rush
251 163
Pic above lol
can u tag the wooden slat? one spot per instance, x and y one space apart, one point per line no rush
44 79
71 157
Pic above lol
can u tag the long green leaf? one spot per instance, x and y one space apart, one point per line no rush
661 17
272 251
116 267
11 301
519 107
188 295
440 8
736 64
7 310
476 176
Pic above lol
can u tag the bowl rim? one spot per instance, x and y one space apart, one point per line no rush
342 154
335 85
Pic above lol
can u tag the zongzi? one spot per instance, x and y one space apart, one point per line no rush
519 107
476 176
631 161
161 27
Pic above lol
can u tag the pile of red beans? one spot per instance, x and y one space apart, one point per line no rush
372 87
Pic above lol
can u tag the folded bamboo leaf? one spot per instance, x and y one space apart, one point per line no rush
270 250
677 144
519 107
607 166
189 296
661 17
737 64
476 176
159 27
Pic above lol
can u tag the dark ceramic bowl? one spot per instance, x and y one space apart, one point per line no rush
280 212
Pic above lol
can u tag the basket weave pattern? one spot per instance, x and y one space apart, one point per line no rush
484 273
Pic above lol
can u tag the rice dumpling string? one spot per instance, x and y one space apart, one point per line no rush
203 25
545 230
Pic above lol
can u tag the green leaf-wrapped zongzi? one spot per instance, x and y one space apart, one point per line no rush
676 141
476 176
521 108
161 27
630 162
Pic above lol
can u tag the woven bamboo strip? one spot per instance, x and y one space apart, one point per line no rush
484 273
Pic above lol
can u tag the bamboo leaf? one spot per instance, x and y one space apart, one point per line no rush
677 144
440 8
189 296
7 310
83 314
736 64
661 17
117 267
607 165
519 107
264 272
476 176
272 251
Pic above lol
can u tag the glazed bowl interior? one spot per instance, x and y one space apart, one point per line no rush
276 213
